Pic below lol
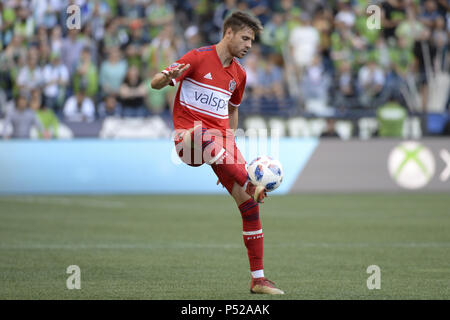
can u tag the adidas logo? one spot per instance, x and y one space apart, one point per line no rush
208 76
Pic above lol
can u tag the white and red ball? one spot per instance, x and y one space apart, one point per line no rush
266 171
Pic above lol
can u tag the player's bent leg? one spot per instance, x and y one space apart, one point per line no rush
253 240
230 172
233 176
239 195
226 160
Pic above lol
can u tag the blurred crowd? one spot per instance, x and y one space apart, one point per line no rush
315 56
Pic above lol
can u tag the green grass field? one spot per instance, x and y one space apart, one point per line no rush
191 247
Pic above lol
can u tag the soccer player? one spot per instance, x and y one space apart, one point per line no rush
205 115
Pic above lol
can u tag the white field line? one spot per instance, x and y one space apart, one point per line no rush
117 246
66 201
150 246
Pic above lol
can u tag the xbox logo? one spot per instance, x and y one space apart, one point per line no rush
411 165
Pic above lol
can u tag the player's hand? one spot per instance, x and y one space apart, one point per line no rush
177 71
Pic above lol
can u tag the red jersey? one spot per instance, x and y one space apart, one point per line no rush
205 90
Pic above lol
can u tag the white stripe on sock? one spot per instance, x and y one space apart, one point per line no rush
258 274
250 233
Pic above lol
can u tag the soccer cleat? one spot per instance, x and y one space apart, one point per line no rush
258 193
264 286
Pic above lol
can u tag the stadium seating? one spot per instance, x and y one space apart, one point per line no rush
153 127
277 127
298 127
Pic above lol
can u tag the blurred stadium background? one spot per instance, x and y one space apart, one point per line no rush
316 69
86 170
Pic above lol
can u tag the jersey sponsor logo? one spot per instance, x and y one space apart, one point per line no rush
200 97
211 100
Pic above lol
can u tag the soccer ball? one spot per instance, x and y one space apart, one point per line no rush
266 171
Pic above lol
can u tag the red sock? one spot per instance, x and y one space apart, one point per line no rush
253 235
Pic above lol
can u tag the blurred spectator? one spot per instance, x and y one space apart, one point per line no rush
22 119
275 33
46 12
13 53
87 40
132 93
159 101
304 42
24 23
341 44
112 72
98 13
260 9
71 49
193 38
315 5
402 62
242 5
161 53
392 14
381 52
109 107
41 36
46 116
30 76
137 37
330 131
86 74
159 14
162 50
289 9
11 60
371 80
443 7
7 17
44 54
347 44
114 37
136 44
391 117
132 9
316 82
411 29
430 14
439 45
222 11
345 14
56 39
323 22
345 94
79 108
270 81
3 102
251 65
56 79
370 35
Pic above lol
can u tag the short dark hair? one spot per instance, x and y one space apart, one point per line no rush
239 19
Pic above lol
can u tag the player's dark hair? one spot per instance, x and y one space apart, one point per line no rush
239 20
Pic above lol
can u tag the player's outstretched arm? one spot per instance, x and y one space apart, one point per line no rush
162 79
